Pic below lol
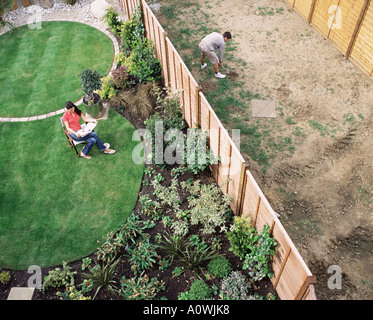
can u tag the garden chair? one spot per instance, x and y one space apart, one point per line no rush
73 143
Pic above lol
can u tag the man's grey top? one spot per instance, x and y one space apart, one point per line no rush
214 41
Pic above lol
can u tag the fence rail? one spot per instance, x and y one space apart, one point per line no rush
348 24
292 279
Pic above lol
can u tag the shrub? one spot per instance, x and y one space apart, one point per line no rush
91 81
207 206
102 276
59 278
241 236
199 157
219 266
142 63
258 260
199 290
235 286
5 277
180 227
111 18
72 293
120 77
128 32
150 207
140 288
142 256
127 233
107 90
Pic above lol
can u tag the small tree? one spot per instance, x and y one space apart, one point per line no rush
91 81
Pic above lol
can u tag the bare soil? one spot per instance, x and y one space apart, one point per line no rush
324 190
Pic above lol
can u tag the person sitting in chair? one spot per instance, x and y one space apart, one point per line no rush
71 119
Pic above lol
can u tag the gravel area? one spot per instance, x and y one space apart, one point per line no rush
80 12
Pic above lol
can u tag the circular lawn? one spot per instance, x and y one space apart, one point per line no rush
54 206
39 67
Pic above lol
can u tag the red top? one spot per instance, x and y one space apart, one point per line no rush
73 121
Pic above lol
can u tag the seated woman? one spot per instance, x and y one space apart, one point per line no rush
71 119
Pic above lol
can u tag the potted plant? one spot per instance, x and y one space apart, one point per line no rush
91 81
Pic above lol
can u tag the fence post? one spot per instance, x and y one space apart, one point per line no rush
310 15
306 283
357 28
166 68
199 111
242 188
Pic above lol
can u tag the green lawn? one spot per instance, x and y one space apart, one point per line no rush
39 67
54 206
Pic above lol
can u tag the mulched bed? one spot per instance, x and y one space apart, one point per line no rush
174 285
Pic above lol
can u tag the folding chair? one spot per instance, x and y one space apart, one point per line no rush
73 143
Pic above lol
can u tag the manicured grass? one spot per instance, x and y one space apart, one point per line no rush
54 206
39 67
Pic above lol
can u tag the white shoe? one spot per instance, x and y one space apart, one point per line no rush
203 66
219 75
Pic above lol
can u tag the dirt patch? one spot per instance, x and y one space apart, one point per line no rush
323 189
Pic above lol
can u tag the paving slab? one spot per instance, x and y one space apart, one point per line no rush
21 293
263 108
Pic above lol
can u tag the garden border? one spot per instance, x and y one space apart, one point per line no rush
104 30
292 278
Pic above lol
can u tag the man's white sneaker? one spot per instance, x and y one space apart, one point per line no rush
219 75
203 66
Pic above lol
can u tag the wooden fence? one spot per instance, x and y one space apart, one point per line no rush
292 279
348 24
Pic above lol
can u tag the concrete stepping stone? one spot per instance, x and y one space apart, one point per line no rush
263 108
21 293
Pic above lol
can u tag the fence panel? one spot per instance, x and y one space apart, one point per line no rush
303 7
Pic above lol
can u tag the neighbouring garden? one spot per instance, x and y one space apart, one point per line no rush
180 241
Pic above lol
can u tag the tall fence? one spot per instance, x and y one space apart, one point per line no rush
348 24
292 279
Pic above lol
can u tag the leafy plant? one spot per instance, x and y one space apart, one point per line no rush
142 256
193 257
219 266
241 236
107 88
111 18
59 277
127 233
150 207
207 206
140 288
199 290
234 286
180 227
5 277
142 63
199 157
173 245
102 276
91 81
258 260
72 293
86 262
120 77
